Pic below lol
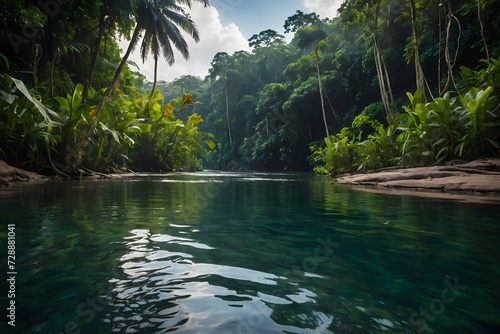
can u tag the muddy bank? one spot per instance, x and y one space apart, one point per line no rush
9 174
480 176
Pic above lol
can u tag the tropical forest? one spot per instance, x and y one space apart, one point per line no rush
385 83
336 175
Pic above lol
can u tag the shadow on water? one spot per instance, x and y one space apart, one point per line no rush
219 252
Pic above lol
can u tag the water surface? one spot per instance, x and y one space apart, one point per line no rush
248 253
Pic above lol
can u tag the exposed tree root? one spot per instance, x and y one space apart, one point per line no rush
91 172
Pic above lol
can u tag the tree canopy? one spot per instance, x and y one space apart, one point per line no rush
386 82
362 64
70 104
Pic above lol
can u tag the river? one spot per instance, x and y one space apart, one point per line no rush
215 252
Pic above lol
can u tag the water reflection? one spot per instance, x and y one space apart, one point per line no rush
162 288
248 253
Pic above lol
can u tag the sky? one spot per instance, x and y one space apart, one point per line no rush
226 27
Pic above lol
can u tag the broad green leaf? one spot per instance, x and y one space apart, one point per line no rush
91 92
472 106
5 61
46 112
129 118
77 97
129 139
103 126
63 103
493 143
116 136
210 143
145 128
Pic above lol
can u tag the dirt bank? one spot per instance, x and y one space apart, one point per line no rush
9 174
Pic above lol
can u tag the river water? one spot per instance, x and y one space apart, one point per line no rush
216 252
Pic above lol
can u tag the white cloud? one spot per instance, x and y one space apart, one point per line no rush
214 37
324 8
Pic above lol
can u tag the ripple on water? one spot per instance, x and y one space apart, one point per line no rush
248 257
162 289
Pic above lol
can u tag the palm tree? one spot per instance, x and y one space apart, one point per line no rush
159 21
113 15
160 33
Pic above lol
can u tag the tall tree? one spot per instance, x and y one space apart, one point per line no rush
311 37
160 33
266 38
450 63
220 66
113 15
264 43
300 20
486 48
171 14
368 12
419 72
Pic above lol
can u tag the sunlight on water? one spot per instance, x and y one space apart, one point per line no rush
257 179
247 253
191 181
189 291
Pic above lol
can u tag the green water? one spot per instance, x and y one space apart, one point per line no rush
247 253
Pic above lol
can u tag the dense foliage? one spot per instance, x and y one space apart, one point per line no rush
348 78
387 82
70 104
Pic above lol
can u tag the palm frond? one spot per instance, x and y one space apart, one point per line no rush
171 33
183 21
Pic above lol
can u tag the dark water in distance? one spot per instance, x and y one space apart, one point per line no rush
247 253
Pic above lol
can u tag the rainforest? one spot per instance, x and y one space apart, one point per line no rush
385 83
217 223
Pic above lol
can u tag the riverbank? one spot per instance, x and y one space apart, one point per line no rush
476 177
9 174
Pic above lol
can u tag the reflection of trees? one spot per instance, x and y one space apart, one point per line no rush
71 234
61 258
396 248
394 251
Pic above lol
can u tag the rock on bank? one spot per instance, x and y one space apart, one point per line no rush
482 176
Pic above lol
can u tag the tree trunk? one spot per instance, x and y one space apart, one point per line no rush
450 79
97 47
118 71
383 79
381 83
439 58
388 82
382 73
419 73
482 31
154 80
227 114
320 84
